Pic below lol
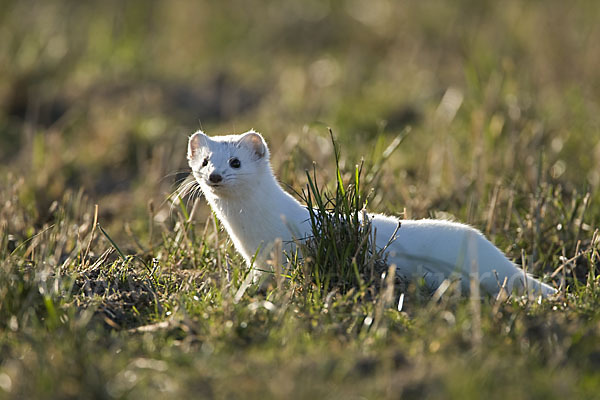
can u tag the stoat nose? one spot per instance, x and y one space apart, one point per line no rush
215 178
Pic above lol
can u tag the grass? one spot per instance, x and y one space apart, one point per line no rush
486 113
341 254
80 315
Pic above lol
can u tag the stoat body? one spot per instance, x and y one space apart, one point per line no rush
235 175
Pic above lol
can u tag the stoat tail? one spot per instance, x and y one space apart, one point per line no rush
496 272
512 279
536 287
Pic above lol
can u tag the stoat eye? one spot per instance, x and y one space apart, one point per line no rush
234 162
205 162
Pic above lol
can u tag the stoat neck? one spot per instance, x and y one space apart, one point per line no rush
261 214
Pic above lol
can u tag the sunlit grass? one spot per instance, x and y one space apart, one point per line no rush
81 312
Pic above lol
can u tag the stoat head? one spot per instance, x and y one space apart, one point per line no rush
228 165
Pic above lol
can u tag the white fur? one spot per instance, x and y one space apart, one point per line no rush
256 211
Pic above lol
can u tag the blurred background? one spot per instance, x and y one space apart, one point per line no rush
102 95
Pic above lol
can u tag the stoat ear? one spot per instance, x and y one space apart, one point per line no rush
197 141
255 142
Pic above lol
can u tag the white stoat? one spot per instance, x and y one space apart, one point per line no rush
235 175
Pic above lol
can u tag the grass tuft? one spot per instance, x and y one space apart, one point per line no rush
341 254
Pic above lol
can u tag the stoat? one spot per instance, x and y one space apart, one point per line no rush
235 176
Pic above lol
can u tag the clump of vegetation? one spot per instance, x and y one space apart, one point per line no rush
341 253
